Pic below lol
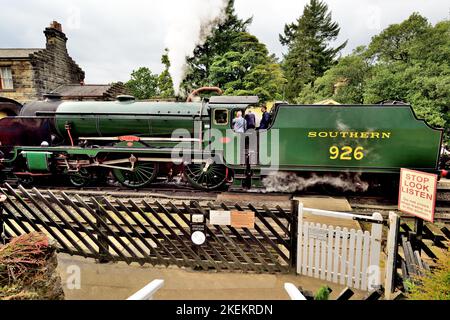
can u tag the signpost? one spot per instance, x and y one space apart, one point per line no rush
198 234
233 218
417 196
243 219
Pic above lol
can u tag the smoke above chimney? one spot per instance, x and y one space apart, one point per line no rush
190 24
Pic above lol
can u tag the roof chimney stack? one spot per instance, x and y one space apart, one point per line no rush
55 36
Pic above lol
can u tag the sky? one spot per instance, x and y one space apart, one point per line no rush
109 39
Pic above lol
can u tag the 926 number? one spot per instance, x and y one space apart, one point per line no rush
346 153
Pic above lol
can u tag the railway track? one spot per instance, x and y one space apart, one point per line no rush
369 204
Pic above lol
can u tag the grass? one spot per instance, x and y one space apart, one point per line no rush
433 285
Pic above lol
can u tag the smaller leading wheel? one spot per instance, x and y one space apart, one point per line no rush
206 176
142 174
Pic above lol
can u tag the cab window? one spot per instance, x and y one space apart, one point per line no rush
221 116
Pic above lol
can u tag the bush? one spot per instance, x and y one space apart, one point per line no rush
28 269
323 293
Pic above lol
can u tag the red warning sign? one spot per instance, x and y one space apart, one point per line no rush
417 193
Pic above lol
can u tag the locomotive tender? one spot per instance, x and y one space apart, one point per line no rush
137 141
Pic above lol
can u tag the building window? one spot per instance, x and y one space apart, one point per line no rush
6 80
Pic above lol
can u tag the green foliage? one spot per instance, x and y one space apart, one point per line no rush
323 293
165 82
418 74
395 42
235 61
434 285
143 83
344 82
407 61
247 69
223 35
309 54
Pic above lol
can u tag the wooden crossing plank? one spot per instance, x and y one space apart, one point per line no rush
325 203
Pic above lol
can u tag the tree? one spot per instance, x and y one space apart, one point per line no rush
414 69
394 43
247 69
343 82
406 61
309 54
223 34
165 83
143 83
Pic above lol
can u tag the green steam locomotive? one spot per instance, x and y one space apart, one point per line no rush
137 142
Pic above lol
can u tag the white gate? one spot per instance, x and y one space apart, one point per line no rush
346 256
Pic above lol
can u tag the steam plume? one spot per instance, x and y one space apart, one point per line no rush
189 25
290 182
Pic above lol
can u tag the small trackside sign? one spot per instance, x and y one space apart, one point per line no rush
417 193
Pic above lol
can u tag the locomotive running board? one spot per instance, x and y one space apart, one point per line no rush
141 139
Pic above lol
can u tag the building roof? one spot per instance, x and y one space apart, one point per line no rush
91 91
87 90
17 53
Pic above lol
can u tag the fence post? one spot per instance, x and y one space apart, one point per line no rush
391 263
375 251
2 223
299 235
101 237
294 232
418 229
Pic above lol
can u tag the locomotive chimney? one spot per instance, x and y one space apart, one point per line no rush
55 36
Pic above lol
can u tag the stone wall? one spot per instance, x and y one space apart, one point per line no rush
116 90
23 81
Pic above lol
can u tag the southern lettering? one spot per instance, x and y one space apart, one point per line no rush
349 134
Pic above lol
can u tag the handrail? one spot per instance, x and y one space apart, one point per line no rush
343 215
147 292
293 292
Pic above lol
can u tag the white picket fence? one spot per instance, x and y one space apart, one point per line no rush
345 256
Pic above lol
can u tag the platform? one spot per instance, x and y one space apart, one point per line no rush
444 184
330 204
